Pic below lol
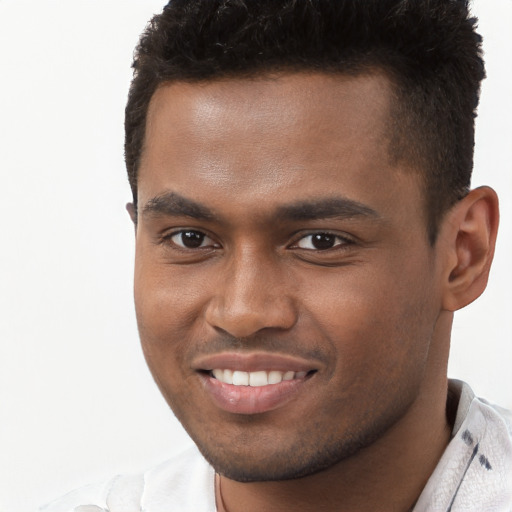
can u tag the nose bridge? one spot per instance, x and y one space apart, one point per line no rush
256 284
253 294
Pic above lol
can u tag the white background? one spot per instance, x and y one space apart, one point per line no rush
76 401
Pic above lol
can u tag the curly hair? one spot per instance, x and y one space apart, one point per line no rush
429 49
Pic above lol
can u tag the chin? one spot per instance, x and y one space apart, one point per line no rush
290 463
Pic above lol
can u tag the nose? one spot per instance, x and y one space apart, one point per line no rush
253 294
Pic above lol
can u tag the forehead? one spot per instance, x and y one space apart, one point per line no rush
309 97
288 101
269 139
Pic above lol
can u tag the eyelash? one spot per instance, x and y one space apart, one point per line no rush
168 239
340 242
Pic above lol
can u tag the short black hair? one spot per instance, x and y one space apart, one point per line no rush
429 49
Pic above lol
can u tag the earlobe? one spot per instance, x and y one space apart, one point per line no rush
471 231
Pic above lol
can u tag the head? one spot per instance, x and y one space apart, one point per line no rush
300 174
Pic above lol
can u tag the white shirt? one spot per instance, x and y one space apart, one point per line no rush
473 475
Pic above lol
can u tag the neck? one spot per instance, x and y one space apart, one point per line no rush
387 475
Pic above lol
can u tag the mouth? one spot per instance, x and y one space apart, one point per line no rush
254 383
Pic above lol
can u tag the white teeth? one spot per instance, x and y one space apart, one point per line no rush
258 379
275 377
218 374
255 379
240 378
225 376
228 376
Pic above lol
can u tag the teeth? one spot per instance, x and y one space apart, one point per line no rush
275 377
225 376
255 379
240 378
228 376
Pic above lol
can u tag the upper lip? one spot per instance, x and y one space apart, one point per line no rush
253 362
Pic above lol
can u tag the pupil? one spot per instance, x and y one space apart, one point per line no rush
323 241
192 239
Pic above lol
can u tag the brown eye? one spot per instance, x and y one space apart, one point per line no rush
192 240
320 241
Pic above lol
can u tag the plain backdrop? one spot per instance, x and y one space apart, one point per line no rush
76 401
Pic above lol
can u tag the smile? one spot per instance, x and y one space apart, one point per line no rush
255 379
254 383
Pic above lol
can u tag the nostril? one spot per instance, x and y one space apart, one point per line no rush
243 320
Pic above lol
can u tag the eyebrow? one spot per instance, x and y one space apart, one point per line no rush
337 207
174 205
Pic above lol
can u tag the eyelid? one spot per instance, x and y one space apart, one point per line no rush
169 235
343 240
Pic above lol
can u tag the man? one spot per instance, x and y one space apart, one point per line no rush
304 232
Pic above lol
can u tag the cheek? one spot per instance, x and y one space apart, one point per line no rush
166 297
164 331
165 313
374 319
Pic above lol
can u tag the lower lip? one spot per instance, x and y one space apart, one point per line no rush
250 399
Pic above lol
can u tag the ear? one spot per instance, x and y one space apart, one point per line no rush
469 237
130 208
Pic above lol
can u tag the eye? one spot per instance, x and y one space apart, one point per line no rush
189 239
321 242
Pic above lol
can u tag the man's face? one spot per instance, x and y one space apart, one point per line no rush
278 246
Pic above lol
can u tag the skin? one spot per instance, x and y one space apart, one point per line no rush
371 314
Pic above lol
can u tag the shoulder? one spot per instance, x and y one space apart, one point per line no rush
485 437
183 483
475 471
498 415
477 414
